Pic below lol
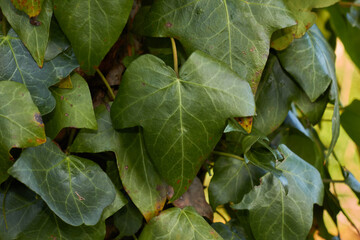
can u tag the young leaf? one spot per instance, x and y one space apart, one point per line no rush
176 223
28 218
313 53
35 38
73 108
21 125
21 67
183 118
74 188
92 27
275 215
138 176
30 7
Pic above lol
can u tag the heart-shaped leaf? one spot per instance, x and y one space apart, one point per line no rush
273 212
84 192
138 176
176 223
183 118
21 67
101 25
21 125
73 108
35 38
30 7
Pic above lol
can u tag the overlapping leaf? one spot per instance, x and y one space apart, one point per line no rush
76 189
73 108
57 43
138 176
35 38
19 66
30 7
128 220
306 59
28 218
275 215
183 118
21 125
92 27
176 223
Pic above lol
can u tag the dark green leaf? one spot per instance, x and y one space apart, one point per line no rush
183 118
73 108
119 202
313 54
21 125
28 218
35 38
138 176
275 215
21 67
76 189
92 27
232 179
128 220
111 168
225 231
176 223
58 42
350 119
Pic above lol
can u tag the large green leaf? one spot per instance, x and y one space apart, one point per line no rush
232 179
31 7
311 52
183 118
35 38
138 176
92 27
176 223
28 218
21 125
74 188
236 32
275 215
19 66
350 119
73 108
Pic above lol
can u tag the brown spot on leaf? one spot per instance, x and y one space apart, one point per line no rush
66 114
126 167
168 25
62 97
34 21
79 197
40 141
178 181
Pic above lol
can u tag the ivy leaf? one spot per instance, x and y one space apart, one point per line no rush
236 32
101 25
138 176
176 223
232 179
350 119
275 215
312 52
35 38
20 67
29 218
30 7
128 220
20 121
58 42
183 118
225 231
73 108
84 190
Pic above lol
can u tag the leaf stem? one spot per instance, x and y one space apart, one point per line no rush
70 141
134 236
112 95
3 205
3 24
176 64
326 180
349 4
228 155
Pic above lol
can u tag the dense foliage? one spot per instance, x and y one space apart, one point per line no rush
222 94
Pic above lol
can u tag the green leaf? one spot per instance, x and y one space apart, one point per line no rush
29 218
275 215
273 98
301 9
232 180
225 231
119 202
20 67
352 182
350 121
58 42
92 27
74 188
35 38
236 32
312 53
183 118
176 223
30 7
20 121
73 108
138 176
128 220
